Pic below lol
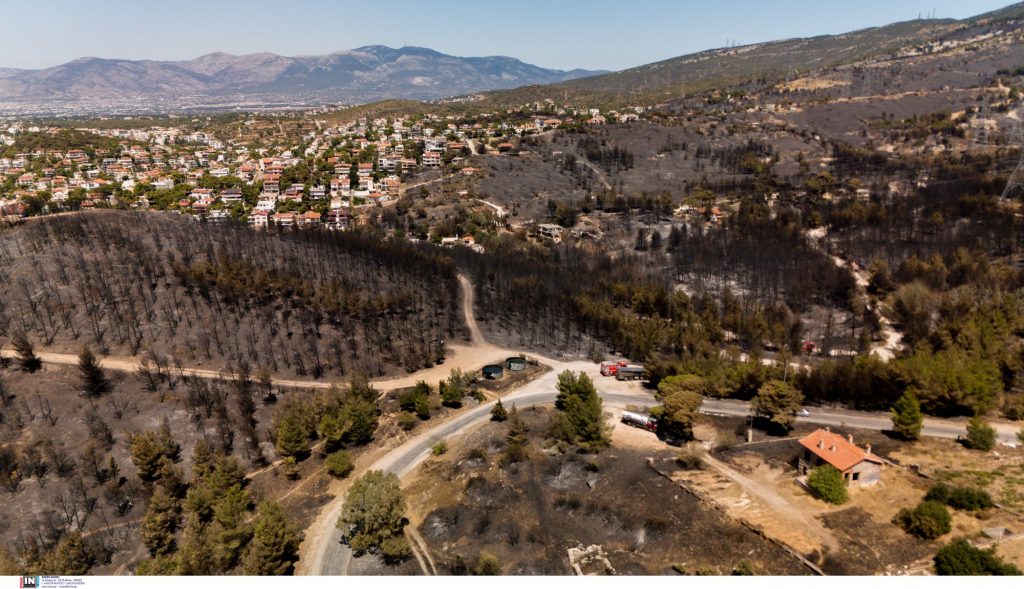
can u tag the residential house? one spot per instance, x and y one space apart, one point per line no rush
859 467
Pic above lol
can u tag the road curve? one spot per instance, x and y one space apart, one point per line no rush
331 557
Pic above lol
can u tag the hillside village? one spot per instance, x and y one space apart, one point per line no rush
333 176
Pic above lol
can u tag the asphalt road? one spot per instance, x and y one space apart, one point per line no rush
933 428
332 557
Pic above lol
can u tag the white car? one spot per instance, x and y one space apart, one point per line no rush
803 413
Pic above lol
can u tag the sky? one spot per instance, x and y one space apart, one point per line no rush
563 34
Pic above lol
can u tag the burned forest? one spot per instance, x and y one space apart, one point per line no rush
306 303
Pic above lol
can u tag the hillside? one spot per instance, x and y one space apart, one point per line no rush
312 304
757 65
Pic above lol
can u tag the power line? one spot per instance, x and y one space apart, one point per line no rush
1016 181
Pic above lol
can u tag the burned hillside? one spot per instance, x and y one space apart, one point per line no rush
305 303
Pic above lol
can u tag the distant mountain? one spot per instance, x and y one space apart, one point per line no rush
360 75
770 62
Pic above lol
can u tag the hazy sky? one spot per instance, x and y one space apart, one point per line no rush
565 34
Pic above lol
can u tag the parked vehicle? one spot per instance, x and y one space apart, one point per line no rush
612 368
640 420
630 373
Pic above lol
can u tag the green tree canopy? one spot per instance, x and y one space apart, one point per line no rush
581 420
778 401
929 520
374 511
160 523
274 546
959 558
907 419
980 435
679 409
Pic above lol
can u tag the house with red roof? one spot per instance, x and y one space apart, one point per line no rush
860 467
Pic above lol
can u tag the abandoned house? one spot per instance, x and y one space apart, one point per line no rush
859 467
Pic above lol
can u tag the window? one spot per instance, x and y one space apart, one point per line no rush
856 476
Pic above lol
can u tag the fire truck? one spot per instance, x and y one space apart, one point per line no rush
612 368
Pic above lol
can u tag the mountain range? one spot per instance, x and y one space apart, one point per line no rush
360 75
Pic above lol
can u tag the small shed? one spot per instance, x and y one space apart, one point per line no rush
493 371
515 363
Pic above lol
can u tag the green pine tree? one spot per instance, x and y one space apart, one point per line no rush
291 439
274 546
980 435
160 523
498 413
907 419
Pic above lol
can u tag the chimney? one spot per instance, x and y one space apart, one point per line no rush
821 444
849 438
833 448
868 449
827 429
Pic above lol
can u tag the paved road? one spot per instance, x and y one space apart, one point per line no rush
331 557
933 428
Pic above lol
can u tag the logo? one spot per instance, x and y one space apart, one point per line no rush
30 583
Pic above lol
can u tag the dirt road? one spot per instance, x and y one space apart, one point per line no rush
890 344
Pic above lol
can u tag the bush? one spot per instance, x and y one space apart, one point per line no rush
487 564
939 492
744 569
406 420
827 483
339 464
417 400
440 447
929 520
969 499
959 558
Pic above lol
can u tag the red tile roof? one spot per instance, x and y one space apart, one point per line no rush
836 450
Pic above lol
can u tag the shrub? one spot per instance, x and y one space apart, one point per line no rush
417 400
959 558
827 483
939 492
969 499
744 569
929 520
406 420
339 464
440 447
487 564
